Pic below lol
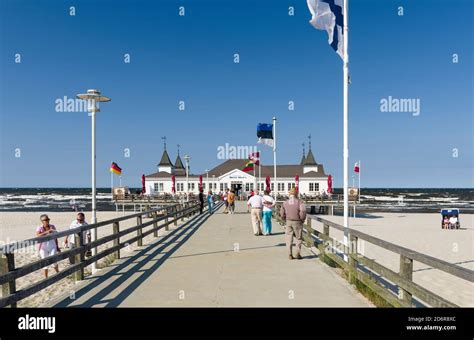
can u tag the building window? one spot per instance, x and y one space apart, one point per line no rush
313 186
247 187
221 186
251 186
272 186
215 186
155 187
161 187
203 186
281 186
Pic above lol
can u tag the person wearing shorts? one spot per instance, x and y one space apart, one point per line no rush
47 248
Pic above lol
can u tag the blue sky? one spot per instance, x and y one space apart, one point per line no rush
190 58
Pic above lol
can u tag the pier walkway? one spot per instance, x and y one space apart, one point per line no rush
215 261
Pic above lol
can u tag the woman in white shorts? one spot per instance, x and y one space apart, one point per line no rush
48 248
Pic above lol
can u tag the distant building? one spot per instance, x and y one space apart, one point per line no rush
229 174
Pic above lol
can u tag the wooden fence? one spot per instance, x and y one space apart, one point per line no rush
160 218
360 269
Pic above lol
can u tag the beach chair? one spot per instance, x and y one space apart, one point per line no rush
450 213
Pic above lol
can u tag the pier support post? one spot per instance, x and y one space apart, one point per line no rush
406 272
7 264
78 258
139 232
116 230
155 224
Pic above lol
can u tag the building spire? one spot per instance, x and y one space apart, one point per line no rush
303 159
178 148
309 143
164 142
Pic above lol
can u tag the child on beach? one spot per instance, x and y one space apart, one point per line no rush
47 248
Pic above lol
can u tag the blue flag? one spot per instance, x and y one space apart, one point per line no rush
265 134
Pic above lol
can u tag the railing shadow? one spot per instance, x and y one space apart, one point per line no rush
176 238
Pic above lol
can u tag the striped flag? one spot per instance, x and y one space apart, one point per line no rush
249 166
115 169
265 134
327 15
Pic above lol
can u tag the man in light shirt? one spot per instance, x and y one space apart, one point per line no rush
255 203
70 241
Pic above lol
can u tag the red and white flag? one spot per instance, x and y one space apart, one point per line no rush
356 167
255 157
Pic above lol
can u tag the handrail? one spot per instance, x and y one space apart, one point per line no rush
453 269
9 274
404 278
8 248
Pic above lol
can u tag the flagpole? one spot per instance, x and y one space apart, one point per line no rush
259 168
346 123
359 180
274 158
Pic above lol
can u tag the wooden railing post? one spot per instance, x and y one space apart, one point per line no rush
116 230
175 210
155 224
139 231
167 226
7 264
352 254
309 232
184 206
325 237
406 272
79 257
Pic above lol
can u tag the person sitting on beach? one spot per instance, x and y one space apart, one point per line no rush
453 220
47 248
445 222
70 239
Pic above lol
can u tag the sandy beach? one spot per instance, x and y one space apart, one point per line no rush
16 226
417 231
420 232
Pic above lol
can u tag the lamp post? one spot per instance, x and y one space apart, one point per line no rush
187 158
93 98
207 179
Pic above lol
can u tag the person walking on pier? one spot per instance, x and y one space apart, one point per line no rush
293 212
231 201
69 241
201 201
210 201
226 202
268 204
255 203
47 248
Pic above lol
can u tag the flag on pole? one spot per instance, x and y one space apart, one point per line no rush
255 157
265 134
356 167
249 166
115 169
327 15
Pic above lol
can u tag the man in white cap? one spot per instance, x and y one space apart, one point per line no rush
293 212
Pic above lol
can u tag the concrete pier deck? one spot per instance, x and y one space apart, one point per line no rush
216 261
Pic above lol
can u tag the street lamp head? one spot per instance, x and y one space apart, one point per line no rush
93 98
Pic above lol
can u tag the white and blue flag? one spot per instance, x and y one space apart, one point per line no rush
328 16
